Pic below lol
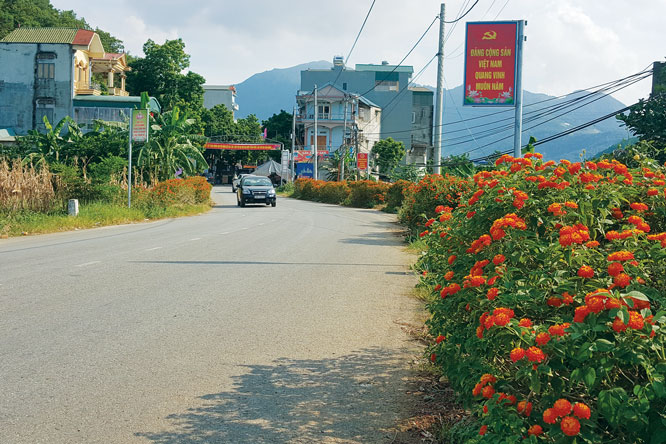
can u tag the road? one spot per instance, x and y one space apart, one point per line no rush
241 325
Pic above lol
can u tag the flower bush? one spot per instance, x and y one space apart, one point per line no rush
173 192
421 199
367 193
549 285
396 195
361 193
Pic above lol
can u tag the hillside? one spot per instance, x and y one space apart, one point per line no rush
268 92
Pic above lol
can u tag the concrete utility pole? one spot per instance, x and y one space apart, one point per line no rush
314 152
439 99
518 127
293 143
344 143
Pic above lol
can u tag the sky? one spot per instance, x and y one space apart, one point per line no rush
571 45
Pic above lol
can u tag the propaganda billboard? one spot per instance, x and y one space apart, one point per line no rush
490 63
140 123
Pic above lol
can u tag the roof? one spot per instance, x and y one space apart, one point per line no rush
42 35
420 89
114 102
384 68
7 135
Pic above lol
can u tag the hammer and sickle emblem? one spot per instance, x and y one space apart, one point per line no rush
489 35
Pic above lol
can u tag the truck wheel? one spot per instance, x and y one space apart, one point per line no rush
273 203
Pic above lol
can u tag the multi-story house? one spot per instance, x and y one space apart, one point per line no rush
344 120
403 109
220 95
48 72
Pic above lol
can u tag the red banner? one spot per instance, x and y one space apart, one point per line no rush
241 146
362 161
490 63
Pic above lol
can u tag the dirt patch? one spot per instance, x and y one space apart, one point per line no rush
430 401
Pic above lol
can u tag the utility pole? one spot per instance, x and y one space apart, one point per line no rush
518 127
439 100
344 142
293 143
314 152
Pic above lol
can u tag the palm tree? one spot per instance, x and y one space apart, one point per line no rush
171 147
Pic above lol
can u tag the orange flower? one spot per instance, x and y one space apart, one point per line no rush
525 322
622 280
615 268
498 259
586 271
488 392
562 407
524 407
636 320
535 430
517 354
535 354
449 275
440 338
622 255
452 259
581 410
483 430
542 338
570 426
549 416
638 206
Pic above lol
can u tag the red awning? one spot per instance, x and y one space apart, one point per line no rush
241 146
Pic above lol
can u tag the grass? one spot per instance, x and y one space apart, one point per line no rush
90 216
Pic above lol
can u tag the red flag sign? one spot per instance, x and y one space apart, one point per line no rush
490 63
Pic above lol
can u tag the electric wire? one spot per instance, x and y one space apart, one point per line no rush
355 41
461 17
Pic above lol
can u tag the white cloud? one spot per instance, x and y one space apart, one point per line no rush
572 44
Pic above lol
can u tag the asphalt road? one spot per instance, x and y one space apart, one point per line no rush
242 325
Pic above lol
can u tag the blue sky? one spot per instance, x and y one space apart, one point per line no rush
571 44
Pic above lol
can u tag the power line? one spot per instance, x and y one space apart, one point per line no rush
404 58
500 11
468 11
355 41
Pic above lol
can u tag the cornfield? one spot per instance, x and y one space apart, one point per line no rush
22 187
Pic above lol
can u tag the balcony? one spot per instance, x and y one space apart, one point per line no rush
87 89
322 117
118 92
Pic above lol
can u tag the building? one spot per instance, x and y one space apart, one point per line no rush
44 72
403 109
220 95
343 120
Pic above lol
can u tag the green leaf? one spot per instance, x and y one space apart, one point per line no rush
659 389
604 345
590 376
637 295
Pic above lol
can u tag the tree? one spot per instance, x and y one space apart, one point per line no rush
647 120
388 153
159 74
172 147
278 127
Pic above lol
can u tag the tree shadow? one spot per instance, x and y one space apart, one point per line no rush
351 399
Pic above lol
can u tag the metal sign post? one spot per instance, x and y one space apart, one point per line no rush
518 128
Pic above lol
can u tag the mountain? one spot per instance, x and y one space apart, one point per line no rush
473 130
266 93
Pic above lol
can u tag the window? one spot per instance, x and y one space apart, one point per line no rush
45 70
413 116
40 113
386 85
344 86
324 112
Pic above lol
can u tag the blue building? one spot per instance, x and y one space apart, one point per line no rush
406 112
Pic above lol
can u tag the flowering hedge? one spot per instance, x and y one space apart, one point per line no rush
361 193
188 191
550 284
421 198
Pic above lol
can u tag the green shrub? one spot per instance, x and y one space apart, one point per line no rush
367 193
333 192
550 285
396 195
420 199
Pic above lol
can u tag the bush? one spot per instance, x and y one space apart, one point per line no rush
333 192
396 195
550 310
420 199
22 187
367 193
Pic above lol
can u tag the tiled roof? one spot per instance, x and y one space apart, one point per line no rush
83 37
44 35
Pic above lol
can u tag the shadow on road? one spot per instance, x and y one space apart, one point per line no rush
350 399
378 238
331 264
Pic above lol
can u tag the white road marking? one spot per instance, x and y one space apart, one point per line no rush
88 263
243 229
153 249
261 225
226 232
195 239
